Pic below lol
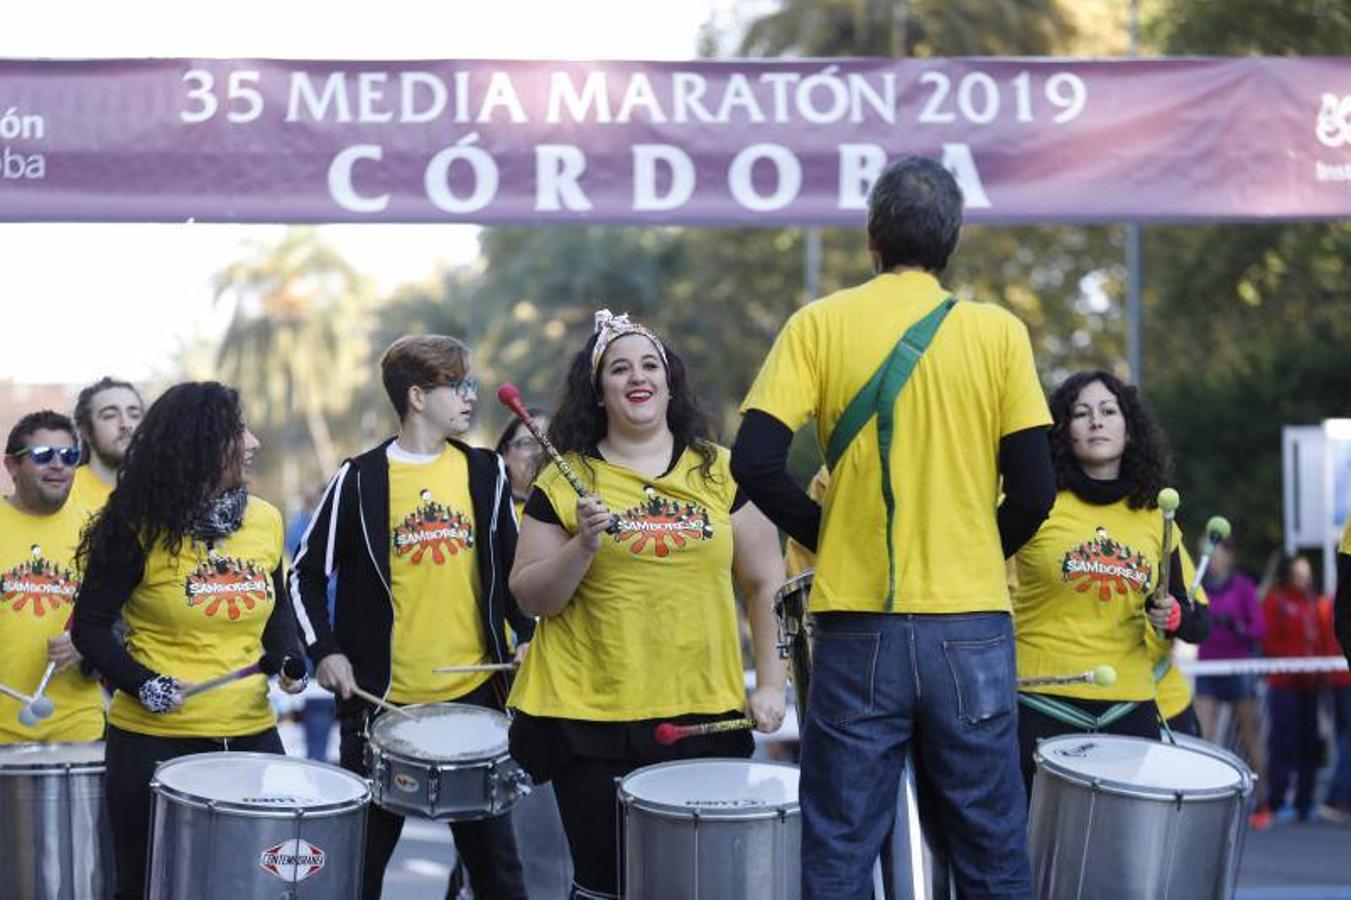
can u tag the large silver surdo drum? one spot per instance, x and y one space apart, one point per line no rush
712 829
54 833
1125 817
249 826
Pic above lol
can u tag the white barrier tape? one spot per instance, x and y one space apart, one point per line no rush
1285 665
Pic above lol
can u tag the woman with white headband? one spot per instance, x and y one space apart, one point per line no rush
633 587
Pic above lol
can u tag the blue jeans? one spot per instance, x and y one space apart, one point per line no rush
946 682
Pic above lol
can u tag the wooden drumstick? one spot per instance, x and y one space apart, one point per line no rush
376 701
478 667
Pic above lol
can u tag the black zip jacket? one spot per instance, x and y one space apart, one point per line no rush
349 534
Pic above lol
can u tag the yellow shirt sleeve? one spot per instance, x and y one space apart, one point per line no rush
1346 540
788 386
1023 405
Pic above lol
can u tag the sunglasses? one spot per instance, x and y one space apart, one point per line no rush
43 455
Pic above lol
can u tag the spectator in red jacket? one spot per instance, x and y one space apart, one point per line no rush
1293 626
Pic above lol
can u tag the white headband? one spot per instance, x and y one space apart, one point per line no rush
610 328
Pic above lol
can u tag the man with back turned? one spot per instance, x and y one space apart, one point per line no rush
922 404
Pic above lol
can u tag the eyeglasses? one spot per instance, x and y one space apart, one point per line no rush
464 386
525 443
43 455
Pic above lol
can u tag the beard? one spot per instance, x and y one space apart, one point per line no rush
110 456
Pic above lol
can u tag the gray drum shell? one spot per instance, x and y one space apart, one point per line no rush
204 850
444 791
1101 841
461 789
54 831
675 853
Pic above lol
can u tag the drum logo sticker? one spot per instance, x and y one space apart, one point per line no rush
432 528
38 585
226 582
406 783
658 520
293 860
1111 567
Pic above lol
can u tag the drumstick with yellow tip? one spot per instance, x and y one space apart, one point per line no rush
1169 500
1102 675
1218 530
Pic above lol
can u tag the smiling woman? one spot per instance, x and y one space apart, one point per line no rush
633 584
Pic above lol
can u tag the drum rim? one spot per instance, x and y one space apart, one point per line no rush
197 801
1121 788
796 583
466 761
629 800
52 768
1201 745
484 762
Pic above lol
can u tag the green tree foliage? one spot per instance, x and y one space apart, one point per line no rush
295 346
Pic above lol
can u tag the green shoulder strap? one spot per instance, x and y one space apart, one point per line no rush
878 398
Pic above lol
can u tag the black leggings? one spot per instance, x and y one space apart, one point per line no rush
131 759
588 804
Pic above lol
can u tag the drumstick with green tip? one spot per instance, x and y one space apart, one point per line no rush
1169 500
1104 676
1218 530
669 732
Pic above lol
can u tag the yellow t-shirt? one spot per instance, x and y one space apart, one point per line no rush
1346 540
652 628
1173 690
434 578
38 583
975 384
89 492
1083 581
199 614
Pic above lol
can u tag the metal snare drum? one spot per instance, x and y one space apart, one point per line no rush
1125 817
250 826
54 832
444 761
712 829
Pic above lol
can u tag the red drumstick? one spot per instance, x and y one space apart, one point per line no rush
510 396
669 732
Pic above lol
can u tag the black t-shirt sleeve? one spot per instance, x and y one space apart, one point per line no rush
760 467
740 499
1029 486
1341 614
539 508
98 607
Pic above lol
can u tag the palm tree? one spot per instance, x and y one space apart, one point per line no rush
297 338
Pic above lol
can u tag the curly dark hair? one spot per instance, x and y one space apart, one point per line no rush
173 465
579 421
1146 465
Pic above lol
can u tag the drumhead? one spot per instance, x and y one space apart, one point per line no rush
727 788
44 756
260 781
1137 765
442 732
